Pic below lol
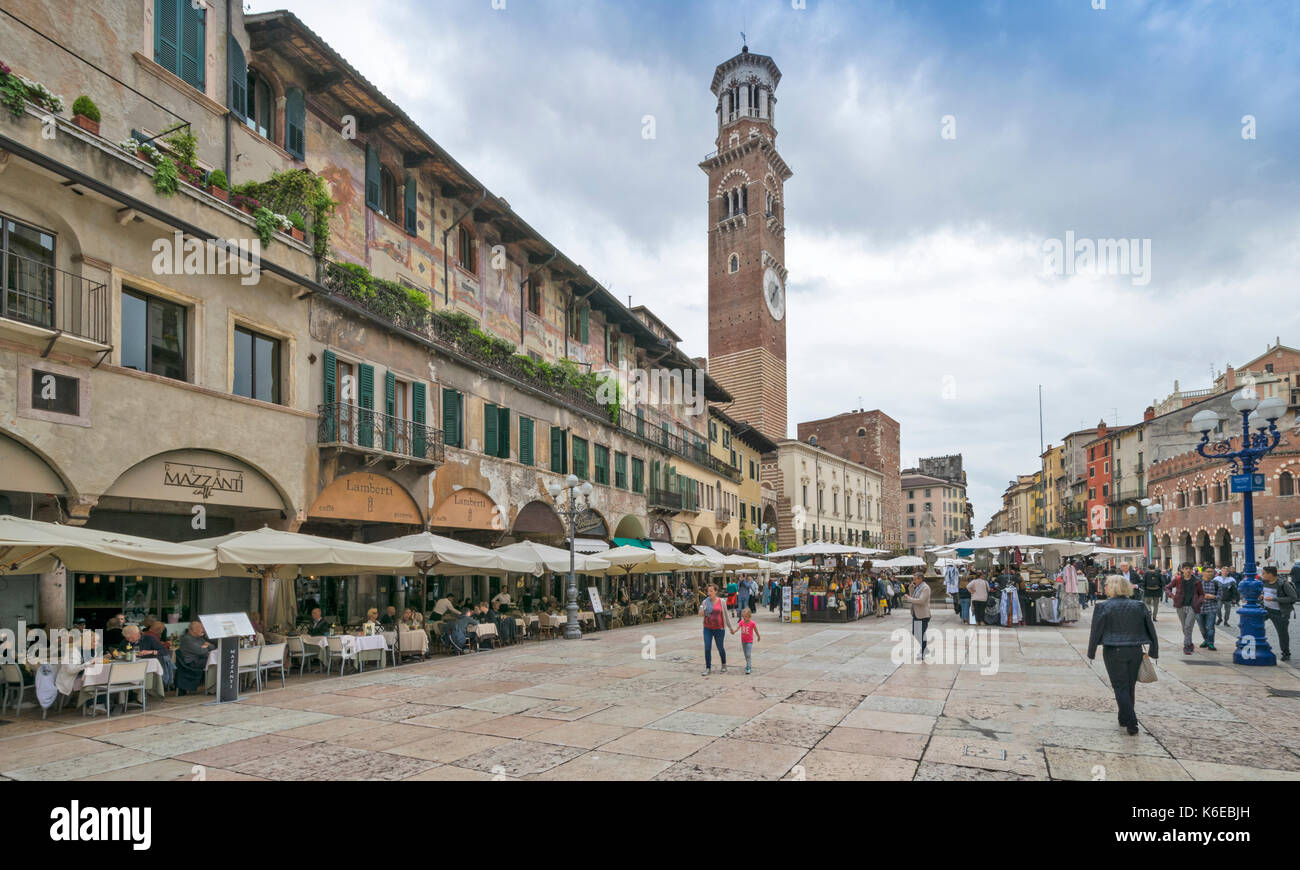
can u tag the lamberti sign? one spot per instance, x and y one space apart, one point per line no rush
465 509
366 497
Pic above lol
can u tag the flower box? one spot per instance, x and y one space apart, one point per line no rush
297 234
219 193
86 124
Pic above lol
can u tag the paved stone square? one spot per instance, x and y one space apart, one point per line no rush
824 702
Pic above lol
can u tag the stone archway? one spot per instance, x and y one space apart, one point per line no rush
1223 547
630 527
705 537
1166 552
1185 551
1204 550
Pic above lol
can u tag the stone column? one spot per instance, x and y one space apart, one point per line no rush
52 598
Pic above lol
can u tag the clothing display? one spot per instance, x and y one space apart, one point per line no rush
1012 611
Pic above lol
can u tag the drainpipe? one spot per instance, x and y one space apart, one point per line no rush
455 220
522 301
230 181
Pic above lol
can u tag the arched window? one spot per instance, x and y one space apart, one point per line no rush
1218 492
259 116
734 263
1196 496
1286 484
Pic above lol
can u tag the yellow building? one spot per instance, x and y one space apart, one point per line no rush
745 448
1054 489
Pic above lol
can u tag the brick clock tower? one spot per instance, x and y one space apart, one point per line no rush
747 276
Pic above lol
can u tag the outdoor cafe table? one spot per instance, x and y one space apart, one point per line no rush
85 682
367 648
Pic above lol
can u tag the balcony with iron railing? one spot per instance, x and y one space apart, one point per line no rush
722 516
38 294
644 422
663 500
378 436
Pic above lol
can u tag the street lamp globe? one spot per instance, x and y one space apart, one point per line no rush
571 481
1131 511
1246 400
1146 502
585 489
1157 509
1204 421
554 489
1271 408
1255 421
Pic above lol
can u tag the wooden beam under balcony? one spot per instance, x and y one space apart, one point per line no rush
324 81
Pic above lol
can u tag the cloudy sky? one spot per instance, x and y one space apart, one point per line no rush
919 277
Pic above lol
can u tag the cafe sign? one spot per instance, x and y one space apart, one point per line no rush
201 480
466 509
368 498
189 476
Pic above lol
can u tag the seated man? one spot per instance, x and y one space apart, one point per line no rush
458 634
192 658
113 631
318 627
150 644
389 619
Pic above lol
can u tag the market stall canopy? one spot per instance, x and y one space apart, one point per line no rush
825 548
1011 540
540 558
34 547
436 554
945 562
901 562
1111 551
271 552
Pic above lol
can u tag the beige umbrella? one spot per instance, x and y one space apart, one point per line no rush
540 558
272 553
34 547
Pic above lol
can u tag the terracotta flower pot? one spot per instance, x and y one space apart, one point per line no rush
297 234
86 124
223 195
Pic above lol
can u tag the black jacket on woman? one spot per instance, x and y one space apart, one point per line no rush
1123 622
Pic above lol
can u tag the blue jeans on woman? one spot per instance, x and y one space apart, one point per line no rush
965 610
711 636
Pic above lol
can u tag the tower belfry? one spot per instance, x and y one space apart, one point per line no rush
747 274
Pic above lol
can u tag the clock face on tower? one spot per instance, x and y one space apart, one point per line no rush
774 293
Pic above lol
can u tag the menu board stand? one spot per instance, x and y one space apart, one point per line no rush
226 629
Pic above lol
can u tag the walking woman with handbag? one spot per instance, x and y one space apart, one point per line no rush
918 596
1122 626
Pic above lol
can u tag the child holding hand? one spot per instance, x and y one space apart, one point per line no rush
748 634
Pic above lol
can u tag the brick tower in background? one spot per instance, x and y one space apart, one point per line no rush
870 438
747 275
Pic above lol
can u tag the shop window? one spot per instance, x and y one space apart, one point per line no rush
256 366
153 335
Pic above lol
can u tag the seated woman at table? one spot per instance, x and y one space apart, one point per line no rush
372 625
192 659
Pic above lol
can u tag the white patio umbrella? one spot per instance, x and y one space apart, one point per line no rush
1010 540
34 547
270 553
540 558
901 562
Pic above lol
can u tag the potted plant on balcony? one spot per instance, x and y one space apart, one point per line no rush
218 186
298 226
85 114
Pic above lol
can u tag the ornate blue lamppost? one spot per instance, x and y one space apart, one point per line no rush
579 500
1252 644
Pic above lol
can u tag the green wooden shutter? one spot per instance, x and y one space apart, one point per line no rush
390 408
193 53
490 424
366 405
236 78
525 441
601 462
419 437
166 34
410 205
372 178
638 473
584 334
451 417
329 413
557 450
580 458
620 470
503 433
295 123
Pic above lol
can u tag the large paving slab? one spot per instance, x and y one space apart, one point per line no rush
823 703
